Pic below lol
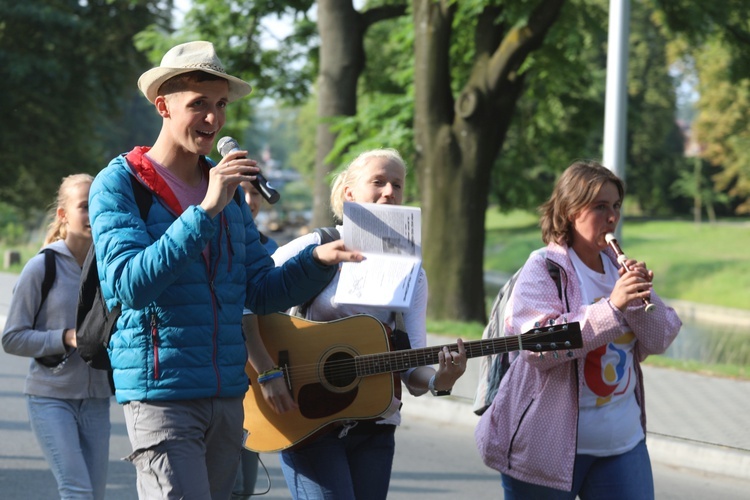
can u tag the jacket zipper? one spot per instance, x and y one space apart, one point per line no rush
155 343
230 250
215 307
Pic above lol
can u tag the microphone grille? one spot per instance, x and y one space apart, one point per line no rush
226 144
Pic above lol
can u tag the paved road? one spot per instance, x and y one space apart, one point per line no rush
435 457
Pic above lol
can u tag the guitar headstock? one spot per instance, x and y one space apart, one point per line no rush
560 337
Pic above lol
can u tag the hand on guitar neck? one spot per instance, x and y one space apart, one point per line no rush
450 366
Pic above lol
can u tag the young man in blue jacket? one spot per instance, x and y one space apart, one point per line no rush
183 276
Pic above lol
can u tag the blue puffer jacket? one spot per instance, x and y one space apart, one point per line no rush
180 332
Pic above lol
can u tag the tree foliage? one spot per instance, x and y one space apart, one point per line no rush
723 123
712 39
67 66
726 22
655 144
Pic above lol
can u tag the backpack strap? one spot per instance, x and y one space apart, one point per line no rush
400 324
327 235
399 337
554 271
142 195
50 272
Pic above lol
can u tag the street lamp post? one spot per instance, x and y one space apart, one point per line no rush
616 102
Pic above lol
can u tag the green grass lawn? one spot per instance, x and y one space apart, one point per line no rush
707 263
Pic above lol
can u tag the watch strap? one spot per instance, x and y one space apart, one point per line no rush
434 392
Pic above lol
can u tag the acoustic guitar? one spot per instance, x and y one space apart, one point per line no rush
342 370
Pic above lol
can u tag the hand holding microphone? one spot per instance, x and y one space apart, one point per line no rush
622 260
225 146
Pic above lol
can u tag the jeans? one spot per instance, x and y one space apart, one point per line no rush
74 436
619 477
356 466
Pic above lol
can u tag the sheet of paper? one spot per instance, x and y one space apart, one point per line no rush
390 238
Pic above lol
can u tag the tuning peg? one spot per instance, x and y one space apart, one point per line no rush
570 354
555 355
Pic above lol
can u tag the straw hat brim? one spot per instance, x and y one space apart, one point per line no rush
151 80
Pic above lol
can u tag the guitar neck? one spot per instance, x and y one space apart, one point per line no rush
374 364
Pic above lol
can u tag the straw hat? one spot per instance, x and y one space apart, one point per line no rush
187 57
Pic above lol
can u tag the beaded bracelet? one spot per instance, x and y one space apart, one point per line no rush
270 375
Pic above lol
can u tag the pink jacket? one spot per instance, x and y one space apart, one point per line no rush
530 430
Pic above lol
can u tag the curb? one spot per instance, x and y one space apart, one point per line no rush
701 457
709 314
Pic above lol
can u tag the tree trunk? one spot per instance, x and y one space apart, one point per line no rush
458 141
341 62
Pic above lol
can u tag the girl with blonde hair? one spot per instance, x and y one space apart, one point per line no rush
355 459
68 401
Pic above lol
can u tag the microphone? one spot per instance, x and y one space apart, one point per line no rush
225 146
621 258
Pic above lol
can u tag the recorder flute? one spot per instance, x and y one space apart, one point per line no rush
621 258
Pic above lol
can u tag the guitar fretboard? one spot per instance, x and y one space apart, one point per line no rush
538 340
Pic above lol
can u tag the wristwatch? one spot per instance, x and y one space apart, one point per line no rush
431 387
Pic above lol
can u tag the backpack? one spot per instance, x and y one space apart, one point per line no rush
492 368
95 322
50 273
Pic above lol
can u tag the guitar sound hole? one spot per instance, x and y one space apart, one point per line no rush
339 370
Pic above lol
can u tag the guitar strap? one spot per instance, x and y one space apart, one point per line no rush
327 234
399 337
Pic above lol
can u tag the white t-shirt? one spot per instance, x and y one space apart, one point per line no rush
609 421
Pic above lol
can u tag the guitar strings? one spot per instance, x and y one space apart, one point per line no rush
374 364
